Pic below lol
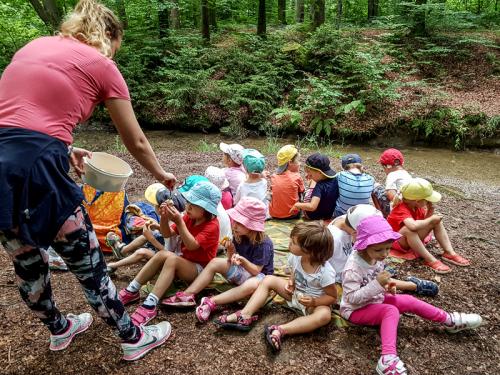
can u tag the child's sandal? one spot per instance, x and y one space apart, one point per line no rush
273 338
438 267
241 324
456 259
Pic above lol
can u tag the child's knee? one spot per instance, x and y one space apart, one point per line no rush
324 316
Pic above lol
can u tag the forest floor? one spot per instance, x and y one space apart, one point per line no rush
473 224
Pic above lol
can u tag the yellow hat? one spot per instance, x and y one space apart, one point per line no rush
418 189
286 153
151 192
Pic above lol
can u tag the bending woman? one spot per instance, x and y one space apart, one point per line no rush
52 84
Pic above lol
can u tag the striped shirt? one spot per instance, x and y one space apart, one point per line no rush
353 189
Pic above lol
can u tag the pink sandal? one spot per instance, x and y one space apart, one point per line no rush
273 339
438 267
456 259
241 324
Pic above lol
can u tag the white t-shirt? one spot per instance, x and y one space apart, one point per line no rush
224 223
342 248
252 189
311 284
396 179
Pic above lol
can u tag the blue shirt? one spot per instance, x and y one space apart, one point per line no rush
261 254
354 188
327 191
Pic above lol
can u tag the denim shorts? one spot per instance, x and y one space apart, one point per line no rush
238 275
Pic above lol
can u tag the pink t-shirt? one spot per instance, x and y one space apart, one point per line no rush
53 83
235 176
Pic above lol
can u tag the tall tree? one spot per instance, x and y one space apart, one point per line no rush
419 24
261 20
318 12
372 11
49 11
299 11
282 11
340 12
120 6
163 18
205 22
212 14
174 15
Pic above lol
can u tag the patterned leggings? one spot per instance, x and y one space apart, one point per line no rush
77 244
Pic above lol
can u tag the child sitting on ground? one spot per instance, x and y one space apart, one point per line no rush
255 185
355 186
217 177
249 259
343 230
233 159
199 232
369 294
151 241
415 220
286 185
392 161
325 192
310 290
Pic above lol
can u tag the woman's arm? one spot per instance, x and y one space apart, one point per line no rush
133 138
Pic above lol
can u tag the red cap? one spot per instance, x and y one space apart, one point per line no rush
389 157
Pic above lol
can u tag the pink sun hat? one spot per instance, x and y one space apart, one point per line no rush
249 212
374 230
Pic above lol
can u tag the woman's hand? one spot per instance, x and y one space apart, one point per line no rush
76 159
383 278
169 180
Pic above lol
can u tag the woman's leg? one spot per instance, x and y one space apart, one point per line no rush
174 266
77 244
321 316
414 240
136 257
406 303
387 316
237 293
220 265
33 279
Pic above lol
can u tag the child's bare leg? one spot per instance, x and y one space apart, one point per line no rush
414 240
136 243
406 285
174 266
153 266
235 294
136 257
219 265
259 298
321 316
442 238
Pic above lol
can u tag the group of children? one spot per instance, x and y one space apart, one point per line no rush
342 239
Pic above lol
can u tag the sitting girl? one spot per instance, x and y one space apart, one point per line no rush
249 259
415 220
369 294
310 290
199 232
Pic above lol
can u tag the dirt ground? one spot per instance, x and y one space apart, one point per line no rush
473 226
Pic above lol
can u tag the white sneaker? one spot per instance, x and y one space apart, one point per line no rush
391 366
77 324
463 321
151 337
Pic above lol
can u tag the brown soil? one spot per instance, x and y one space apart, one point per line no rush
472 225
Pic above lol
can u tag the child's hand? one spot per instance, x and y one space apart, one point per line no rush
391 287
236 259
307 301
294 208
383 278
172 213
436 218
147 232
290 286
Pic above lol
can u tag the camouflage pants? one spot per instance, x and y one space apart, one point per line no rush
77 244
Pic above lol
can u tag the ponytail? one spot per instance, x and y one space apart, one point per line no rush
94 24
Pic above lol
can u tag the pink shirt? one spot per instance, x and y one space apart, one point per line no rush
53 83
360 285
235 176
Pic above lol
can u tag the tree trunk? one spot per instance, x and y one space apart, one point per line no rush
195 12
339 13
205 22
163 19
419 26
318 13
122 14
299 11
49 11
282 11
371 9
261 21
174 15
212 14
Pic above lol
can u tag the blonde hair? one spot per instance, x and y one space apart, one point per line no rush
354 165
255 238
94 24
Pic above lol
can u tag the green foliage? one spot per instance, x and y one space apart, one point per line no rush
204 146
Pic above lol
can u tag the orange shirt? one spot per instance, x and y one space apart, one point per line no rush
285 189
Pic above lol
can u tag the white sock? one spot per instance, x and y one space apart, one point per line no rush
388 357
449 320
151 300
134 286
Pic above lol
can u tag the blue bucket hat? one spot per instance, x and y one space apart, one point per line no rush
204 194
190 181
253 160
